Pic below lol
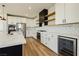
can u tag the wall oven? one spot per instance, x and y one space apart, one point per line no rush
67 46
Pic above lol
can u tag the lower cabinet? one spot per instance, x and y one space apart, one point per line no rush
50 41
11 51
45 39
53 43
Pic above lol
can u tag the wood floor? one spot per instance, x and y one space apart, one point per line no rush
35 48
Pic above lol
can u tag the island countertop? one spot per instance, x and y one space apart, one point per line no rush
7 40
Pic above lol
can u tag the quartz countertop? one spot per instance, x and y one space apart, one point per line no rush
7 40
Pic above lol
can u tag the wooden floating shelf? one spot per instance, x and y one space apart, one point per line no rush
50 20
53 13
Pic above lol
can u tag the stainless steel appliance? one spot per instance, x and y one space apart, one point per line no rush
22 27
11 28
67 46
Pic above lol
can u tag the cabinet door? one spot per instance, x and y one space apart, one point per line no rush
42 38
60 13
49 42
72 12
45 39
52 43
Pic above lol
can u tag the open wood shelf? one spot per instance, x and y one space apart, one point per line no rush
53 13
50 20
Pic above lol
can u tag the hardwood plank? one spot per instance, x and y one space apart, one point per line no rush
36 48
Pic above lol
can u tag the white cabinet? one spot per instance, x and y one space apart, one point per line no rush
49 43
67 12
49 40
72 12
59 9
52 42
53 45
44 38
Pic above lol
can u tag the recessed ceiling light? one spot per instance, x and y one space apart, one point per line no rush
29 8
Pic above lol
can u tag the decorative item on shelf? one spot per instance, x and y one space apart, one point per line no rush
53 13
3 18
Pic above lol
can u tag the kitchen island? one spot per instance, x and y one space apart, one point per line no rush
11 45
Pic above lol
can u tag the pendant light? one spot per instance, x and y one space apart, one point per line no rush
3 18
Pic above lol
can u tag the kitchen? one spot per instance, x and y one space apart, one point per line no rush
53 26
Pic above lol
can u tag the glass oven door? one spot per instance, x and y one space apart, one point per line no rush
67 46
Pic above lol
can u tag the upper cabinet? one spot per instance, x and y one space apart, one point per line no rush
60 12
72 12
66 13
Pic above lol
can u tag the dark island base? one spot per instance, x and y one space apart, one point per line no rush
11 51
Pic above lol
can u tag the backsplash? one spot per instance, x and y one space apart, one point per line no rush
72 29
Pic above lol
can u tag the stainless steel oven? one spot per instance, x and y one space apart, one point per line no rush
67 46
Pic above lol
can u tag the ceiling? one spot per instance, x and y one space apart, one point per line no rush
26 9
